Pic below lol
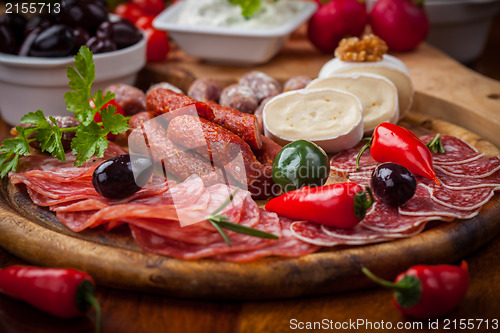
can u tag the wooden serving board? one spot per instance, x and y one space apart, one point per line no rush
35 235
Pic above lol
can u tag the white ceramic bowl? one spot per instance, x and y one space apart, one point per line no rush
231 46
459 27
28 84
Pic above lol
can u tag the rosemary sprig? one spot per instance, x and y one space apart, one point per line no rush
221 222
436 145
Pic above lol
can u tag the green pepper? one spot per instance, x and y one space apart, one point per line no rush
300 163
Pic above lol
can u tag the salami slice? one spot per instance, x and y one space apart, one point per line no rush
460 183
387 220
422 205
466 200
286 246
151 242
345 161
313 233
479 168
457 151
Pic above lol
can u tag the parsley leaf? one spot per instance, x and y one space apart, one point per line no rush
248 7
48 135
113 122
89 140
10 151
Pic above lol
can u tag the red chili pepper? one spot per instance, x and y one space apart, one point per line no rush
393 143
341 205
428 291
64 293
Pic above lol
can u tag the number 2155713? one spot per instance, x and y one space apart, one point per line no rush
32 7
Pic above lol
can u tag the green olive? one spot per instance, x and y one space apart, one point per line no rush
300 163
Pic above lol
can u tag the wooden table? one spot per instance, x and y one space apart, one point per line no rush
434 74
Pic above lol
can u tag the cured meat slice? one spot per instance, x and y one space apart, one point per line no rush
75 221
385 219
422 205
467 200
286 246
151 242
313 233
192 234
460 183
479 168
362 178
345 162
457 151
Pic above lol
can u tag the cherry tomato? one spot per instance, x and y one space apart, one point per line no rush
157 46
150 7
129 11
98 119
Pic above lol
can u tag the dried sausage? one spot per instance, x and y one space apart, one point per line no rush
296 83
131 99
205 89
262 84
239 97
217 144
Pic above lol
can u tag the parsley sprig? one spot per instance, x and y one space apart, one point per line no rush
90 138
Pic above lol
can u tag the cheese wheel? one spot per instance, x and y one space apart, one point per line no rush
389 67
330 118
378 95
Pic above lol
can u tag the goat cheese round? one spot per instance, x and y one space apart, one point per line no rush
378 95
330 118
389 67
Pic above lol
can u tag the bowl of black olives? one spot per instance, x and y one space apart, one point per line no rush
37 46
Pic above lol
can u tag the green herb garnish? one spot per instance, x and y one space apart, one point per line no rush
220 222
248 7
90 136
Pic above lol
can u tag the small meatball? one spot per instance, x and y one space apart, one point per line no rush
131 99
164 85
258 114
262 84
205 89
239 97
296 83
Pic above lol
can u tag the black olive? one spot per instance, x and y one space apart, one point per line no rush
17 24
88 14
81 38
8 42
122 32
56 41
393 184
114 178
100 45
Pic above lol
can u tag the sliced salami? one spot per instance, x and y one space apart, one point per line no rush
466 200
151 242
460 183
313 233
479 168
345 162
387 220
421 204
457 151
286 246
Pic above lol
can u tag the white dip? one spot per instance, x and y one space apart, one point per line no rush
221 13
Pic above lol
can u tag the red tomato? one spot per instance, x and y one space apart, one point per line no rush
128 11
402 24
150 7
334 21
157 41
98 119
119 109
